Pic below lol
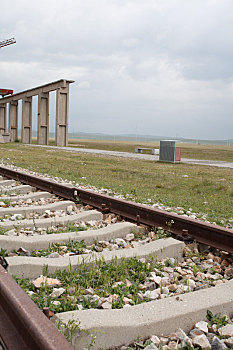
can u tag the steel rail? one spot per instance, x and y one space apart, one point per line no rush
209 234
23 326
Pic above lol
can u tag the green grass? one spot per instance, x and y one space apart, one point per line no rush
7 202
103 280
212 152
2 231
72 246
66 228
3 253
188 150
205 189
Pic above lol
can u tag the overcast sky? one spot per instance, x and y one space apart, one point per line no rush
158 67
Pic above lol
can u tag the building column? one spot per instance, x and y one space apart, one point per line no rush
13 120
3 118
43 119
62 110
27 120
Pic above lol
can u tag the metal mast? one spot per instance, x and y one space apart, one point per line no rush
7 42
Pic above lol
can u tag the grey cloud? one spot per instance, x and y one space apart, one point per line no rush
161 66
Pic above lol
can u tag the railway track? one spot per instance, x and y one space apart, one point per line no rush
55 227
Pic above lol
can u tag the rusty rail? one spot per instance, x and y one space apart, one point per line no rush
23 326
209 234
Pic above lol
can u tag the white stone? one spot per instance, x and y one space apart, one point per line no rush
172 345
226 331
69 208
165 290
202 326
151 294
127 300
48 212
30 292
120 242
154 278
192 216
42 280
117 284
106 305
164 341
152 346
53 255
172 261
155 340
129 237
57 292
229 342
191 283
172 287
202 342
165 281
184 338
95 298
88 291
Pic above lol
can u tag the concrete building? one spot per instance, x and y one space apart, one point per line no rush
62 112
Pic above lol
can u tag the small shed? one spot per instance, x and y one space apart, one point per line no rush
169 152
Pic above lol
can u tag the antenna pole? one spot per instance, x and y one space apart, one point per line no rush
7 42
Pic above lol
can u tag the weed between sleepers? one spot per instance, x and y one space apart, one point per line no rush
2 230
67 228
85 286
101 280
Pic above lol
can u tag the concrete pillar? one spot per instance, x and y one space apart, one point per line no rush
62 110
3 118
27 120
43 119
13 120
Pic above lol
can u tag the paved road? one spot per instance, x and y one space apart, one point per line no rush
216 163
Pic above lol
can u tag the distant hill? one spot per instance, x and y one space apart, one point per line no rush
144 138
137 138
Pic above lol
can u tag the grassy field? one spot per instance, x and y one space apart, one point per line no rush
212 152
205 189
